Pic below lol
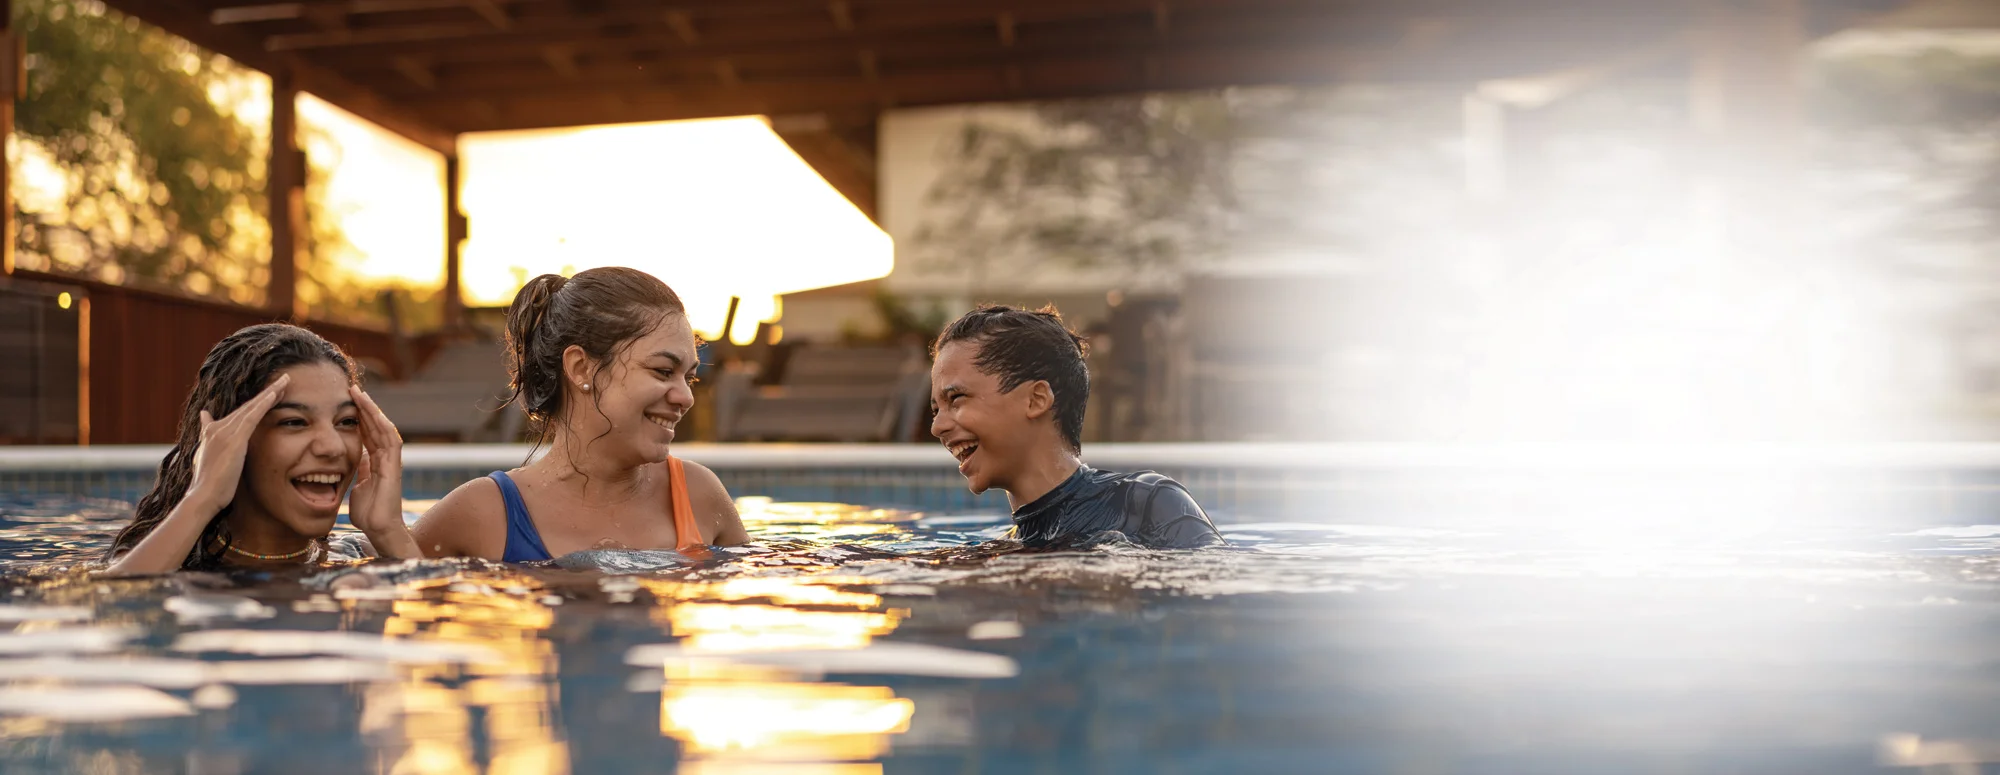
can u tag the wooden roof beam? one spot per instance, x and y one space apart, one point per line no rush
1109 75
1246 62
269 12
492 13
234 43
415 70
725 72
327 17
247 14
683 26
843 15
369 105
1004 25
966 49
444 38
870 70
561 59
845 165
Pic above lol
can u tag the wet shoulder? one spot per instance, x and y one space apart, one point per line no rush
470 521
714 509
1165 514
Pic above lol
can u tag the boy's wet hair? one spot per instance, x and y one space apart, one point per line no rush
601 310
235 371
1018 346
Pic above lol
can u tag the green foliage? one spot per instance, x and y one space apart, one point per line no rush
1933 118
1168 181
158 180
1934 89
1060 186
138 167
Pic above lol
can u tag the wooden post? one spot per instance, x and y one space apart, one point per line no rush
13 82
286 184
455 232
1746 101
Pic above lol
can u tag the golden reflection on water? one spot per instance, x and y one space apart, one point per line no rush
753 718
801 722
819 521
760 510
425 723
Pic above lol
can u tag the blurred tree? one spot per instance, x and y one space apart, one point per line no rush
1926 123
1059 183
142 160
1166 181
148 172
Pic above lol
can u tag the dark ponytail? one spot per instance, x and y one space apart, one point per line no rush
235 371
599 310
535 374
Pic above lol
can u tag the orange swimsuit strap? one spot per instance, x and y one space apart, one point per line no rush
686 533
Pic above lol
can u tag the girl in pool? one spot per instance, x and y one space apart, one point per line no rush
602 363
273 434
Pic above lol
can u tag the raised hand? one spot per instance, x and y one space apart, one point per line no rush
218 458
376 505
218 469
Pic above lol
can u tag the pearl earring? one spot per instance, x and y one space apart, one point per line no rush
586 387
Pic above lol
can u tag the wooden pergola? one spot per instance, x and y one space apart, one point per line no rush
824 71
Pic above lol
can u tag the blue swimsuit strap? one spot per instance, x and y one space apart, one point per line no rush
524 542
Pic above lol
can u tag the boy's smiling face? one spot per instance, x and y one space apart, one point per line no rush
988 431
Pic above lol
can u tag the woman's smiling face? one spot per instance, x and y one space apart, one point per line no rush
631 410
301 459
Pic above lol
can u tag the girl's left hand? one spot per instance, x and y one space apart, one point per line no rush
376 506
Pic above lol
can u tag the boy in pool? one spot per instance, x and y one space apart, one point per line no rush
1008 387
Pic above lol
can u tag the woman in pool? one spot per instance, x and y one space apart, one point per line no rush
602 363
274 432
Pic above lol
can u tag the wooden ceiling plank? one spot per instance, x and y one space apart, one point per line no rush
843 15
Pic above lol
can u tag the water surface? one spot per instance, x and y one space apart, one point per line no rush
851 640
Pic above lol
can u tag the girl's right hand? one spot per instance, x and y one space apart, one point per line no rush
218 457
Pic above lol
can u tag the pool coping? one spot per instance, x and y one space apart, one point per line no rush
1232 455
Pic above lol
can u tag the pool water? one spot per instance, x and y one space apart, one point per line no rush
856 640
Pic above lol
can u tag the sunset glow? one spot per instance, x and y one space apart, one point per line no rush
715 208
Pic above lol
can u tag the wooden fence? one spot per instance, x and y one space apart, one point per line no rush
142 349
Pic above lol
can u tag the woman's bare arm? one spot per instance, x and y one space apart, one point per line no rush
468 522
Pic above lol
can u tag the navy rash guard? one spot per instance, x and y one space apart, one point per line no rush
1150 509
